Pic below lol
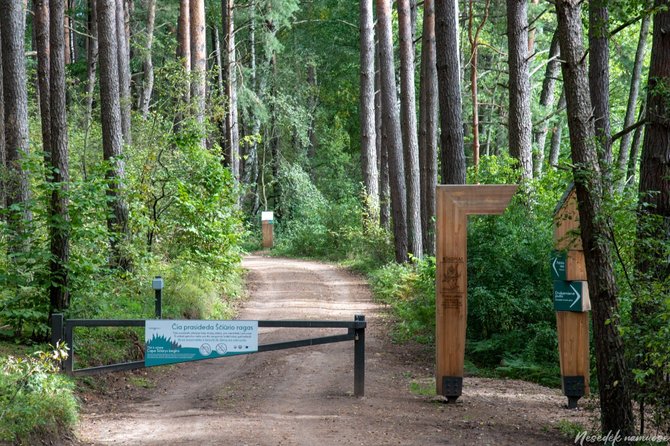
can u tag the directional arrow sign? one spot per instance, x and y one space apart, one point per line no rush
558 265
571 296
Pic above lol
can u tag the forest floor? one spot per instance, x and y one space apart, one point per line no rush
305 396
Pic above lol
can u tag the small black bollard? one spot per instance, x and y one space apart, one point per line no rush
359 357
157 285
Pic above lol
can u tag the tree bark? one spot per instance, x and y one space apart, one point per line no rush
198 62
409 129
251 162
124 72
450 102
546 102
555 150
230 85
391 136
655 163
635 146
633 93
112 135
184 41
613 376
367 112
41 26
67 35
473 37
382 153
599 80
60 175
15 98
520 118
428 127
3 148
92 62
148 86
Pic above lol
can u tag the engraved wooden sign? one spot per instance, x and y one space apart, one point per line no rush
454 204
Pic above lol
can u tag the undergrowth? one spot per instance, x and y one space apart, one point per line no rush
37 402
511 320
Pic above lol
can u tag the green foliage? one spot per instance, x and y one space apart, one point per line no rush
410 290
315 226
37 402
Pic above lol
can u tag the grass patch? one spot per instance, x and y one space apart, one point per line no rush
570 429
422 386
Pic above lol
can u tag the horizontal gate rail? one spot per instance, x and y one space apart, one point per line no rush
64 330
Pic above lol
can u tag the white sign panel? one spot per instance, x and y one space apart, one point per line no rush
267 216
172 341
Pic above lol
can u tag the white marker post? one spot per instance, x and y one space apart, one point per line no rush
267 222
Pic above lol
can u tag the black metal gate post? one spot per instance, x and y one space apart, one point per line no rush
56 328
359 357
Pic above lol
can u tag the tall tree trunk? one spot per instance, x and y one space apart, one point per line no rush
391 137
629 119
15 98
655 163
635 146
473 37
546 102
92 62
41 27
184 41
382 153
450 102
251 161
148 86
230 63
313 104
218 60
531 32
520 118
71 9
613 376
198 61
123 64
3 148
67 35
653 231
409 130
428 127
60 176
555 150
367 112
112 135
599 81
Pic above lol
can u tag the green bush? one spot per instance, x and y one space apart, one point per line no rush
37 402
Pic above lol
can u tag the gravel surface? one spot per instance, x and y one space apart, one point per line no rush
304 396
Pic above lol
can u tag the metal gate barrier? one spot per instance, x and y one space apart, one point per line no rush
63 330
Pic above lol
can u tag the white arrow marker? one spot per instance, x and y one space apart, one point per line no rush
577 294
553 265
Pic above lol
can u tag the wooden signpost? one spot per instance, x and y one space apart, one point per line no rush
571 299
454 204
267 222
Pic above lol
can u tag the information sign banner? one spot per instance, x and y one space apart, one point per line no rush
173 341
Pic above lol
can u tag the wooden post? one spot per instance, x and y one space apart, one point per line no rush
267 223
571 300
454 204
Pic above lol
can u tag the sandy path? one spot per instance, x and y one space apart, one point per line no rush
304 396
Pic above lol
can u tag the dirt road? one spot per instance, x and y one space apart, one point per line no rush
304 396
